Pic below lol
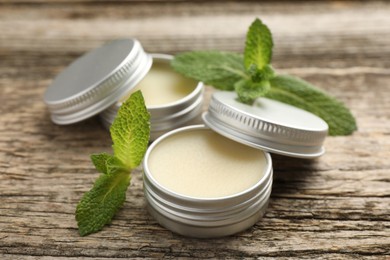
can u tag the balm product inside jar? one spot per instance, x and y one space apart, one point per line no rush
172 99
200 184
98 82
216 181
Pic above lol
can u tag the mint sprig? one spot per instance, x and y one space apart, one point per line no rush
130 135
252 76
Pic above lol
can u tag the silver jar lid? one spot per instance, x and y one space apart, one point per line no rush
96 80
268 124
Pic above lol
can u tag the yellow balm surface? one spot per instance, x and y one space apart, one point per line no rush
203 164
162 85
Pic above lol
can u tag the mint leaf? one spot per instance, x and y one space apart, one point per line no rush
248 91
130 134
219 69
257 75
100 161
301 94
107 163
130 131
113 164
99 205
258 46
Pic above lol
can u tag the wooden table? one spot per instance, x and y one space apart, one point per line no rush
337 206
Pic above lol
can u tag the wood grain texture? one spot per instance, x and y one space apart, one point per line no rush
335 207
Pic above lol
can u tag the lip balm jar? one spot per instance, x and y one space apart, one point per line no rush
215 181
172 99
200 184
100 80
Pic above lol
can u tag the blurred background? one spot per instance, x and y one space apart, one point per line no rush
334 32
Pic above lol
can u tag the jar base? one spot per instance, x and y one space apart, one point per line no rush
206 232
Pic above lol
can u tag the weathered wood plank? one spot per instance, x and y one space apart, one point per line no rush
347 30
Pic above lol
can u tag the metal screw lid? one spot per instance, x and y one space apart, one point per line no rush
268 125
96 80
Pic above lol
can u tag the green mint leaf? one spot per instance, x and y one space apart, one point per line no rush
99 205
130 131
248 91
130 135
258 46
100 161
257 75
219 69
113 164
301 94
107 163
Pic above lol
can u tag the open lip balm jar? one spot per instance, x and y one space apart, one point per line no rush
172 99
212 182
100 80
200 184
